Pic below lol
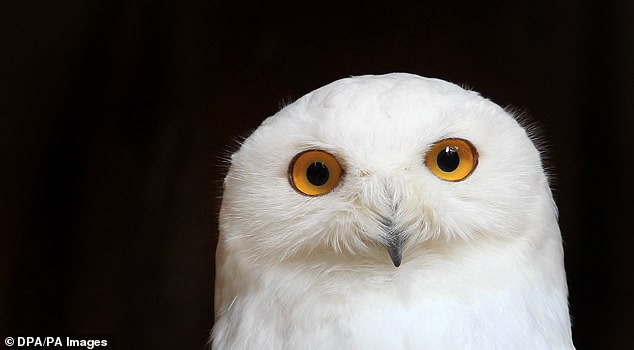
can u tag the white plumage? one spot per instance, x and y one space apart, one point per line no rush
480 254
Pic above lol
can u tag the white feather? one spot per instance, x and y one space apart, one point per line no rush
482 260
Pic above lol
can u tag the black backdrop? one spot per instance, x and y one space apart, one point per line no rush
114 114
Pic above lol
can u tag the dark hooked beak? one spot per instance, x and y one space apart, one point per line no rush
395 248
394 244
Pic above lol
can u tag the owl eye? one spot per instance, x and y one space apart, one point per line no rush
314 172
452 159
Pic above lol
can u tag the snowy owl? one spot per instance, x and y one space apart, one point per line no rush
389 212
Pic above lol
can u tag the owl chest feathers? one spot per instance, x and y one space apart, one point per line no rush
426 303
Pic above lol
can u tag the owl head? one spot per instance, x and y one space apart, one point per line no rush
380 168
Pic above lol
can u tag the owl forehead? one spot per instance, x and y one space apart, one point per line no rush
369 130
384 121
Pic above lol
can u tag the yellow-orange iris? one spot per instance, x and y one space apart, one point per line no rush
314 172
452 159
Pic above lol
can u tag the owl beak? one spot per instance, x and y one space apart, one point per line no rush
394 244
395 249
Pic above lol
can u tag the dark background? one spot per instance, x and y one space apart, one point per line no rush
114 116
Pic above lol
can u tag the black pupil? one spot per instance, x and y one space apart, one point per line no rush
448 159
317 173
